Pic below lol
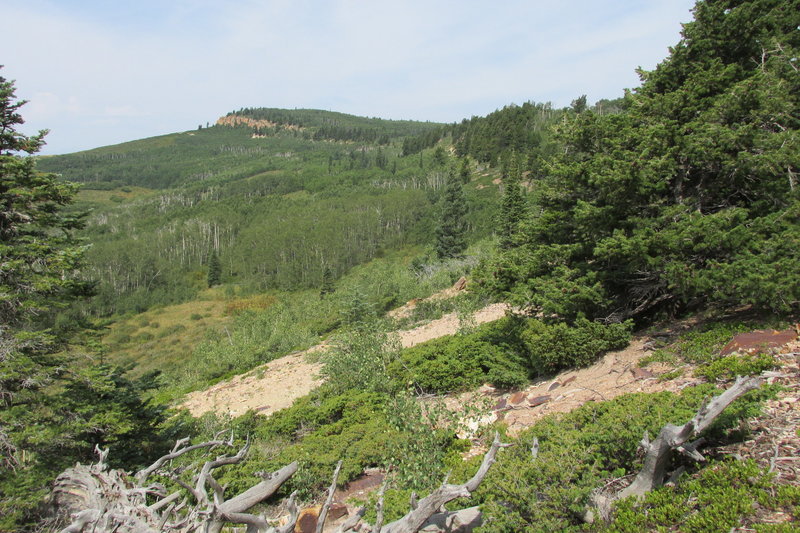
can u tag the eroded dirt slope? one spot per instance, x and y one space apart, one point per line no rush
277 384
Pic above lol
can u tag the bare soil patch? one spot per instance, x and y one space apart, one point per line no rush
277 384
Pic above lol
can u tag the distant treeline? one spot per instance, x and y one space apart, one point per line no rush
525 129
327 125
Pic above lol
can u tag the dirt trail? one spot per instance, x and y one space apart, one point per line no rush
277 384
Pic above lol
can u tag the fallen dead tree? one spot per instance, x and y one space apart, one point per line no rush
670 439
100 499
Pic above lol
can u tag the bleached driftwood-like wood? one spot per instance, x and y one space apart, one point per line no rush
104 500
672 438
179 449
427 515
110 500
323 513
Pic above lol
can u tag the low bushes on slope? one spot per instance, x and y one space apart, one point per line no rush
506 353
581 450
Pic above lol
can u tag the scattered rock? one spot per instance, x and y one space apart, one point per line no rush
568 380
336 511
370 480
759 340
517 398
501 404
641 373
553 386
461 284
534 401
486 389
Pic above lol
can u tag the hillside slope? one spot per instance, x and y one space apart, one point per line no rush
277 384
280 196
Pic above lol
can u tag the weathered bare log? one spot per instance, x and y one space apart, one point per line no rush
352 521
428 514
111 500
178 450
100 499
415 519
463 520
672 438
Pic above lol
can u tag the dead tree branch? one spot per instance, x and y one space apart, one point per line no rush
428 514
100 499
672 438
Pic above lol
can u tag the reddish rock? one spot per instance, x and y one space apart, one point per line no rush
641 373
534 401
336 511
501 404
517 398
569 380
369 480
758 341
461 284
553 386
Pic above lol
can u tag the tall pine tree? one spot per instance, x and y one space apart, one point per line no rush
513 208
214 270
55 405
451 232
687 199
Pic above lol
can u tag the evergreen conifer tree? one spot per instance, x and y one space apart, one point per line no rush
214 270
451 232
689 197
513 208
439 157
327 283
54 407
464 172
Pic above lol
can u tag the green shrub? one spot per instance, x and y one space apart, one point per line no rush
552 347
721 497
119 338
505 353
359 359
364 429
727 368
171 330
704 343
579 451
456 363
144 336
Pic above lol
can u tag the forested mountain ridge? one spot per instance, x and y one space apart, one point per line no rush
224 152
278 205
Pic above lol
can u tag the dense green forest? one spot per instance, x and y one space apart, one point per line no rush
278 228
279 208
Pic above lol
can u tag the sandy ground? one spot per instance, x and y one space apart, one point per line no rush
277 384
615 374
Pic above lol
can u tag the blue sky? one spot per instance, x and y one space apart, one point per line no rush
99 72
